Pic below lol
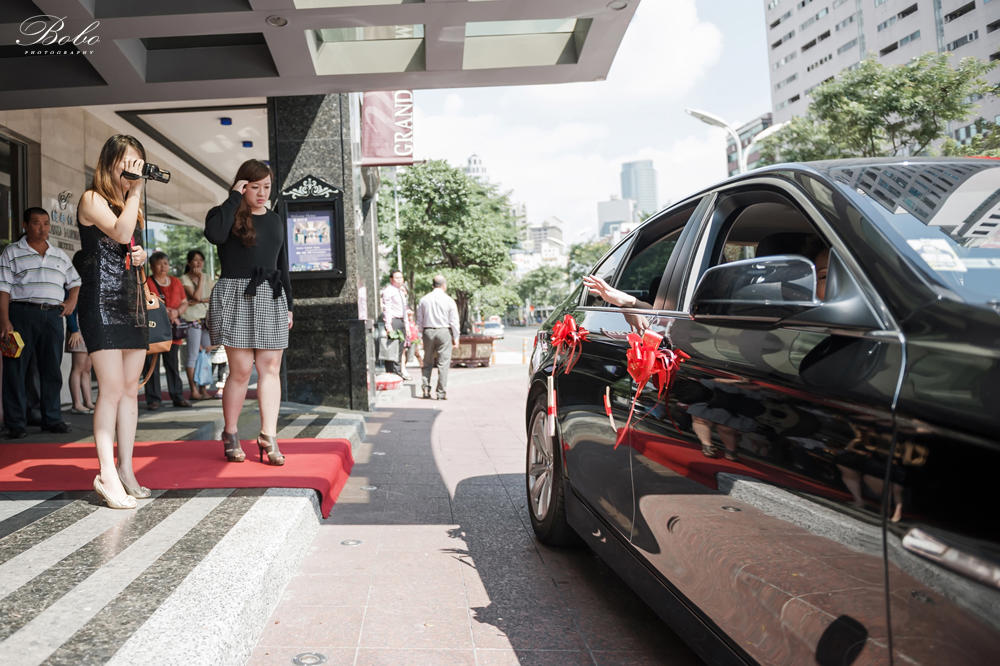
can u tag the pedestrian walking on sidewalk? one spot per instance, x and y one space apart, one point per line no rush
394 299
437 318
198 287
38 286
171 293
250 310
112 311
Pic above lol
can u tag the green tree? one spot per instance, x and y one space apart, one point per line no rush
178 239
985 142
544 286
875 110
583 256
449 224
495 299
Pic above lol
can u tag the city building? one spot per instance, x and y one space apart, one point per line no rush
613 214
474 169
543 246
810 41
746 132
639 185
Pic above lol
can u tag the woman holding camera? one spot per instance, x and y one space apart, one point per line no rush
251 305
112 311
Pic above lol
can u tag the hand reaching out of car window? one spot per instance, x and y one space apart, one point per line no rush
616 297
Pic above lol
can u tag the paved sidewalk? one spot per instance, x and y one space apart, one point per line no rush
428 556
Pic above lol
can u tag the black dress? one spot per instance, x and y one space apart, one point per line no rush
110 309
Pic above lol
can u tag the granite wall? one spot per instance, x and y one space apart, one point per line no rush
330 356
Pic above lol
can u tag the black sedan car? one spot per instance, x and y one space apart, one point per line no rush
813 481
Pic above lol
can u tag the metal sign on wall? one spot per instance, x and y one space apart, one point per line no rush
387 128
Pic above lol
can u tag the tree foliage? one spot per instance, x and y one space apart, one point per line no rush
450 224
583 256
544 286
985 142
178 239
876 110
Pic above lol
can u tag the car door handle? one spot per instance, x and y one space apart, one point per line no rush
971 566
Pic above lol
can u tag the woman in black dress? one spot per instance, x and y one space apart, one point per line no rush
251 306
111 311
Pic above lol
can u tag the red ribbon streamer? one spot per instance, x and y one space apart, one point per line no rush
567 333
647 360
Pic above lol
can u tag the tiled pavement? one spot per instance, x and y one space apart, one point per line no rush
428 556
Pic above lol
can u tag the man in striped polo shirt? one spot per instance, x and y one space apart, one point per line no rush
34 279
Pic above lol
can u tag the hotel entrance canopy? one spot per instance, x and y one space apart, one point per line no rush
130 51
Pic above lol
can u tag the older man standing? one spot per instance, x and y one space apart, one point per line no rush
394 319
437 318
34 279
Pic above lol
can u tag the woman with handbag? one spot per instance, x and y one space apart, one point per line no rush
198 287
251 305
171 294
112 311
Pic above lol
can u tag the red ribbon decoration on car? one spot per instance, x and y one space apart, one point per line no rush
647 360
567 333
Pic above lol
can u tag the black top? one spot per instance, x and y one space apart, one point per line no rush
239 261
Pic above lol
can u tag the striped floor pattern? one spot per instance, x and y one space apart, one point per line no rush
78 580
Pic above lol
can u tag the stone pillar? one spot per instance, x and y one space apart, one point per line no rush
330 356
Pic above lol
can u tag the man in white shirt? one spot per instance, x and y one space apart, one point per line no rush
437 319
394 319
35 278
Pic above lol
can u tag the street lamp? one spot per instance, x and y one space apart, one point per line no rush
716 121
763 134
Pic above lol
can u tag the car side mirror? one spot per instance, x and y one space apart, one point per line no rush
765 290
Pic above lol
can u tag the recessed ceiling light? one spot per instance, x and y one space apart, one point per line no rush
225 121
277 21
248 144
617 4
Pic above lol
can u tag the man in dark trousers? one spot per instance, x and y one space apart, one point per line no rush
437 319
34 279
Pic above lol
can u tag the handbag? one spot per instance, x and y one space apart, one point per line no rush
160 327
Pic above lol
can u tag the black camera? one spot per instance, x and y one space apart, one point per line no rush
149 171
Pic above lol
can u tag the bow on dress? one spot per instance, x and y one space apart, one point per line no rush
648 360
567 333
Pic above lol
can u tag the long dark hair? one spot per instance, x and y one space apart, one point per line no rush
250 171
107 173
191 255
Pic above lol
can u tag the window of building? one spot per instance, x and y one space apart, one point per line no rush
995 56
879 3
784 39
912 37
991 27
958 13
912 9
12 187
825 59
837 3
782 84
885 24
815 17
781 18
822 36
774 3
846 22
962 41
788 58
803 3
848 46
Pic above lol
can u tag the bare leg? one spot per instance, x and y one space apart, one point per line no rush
85 389
196 392
109 365
76 380
268 388
128 414
240 365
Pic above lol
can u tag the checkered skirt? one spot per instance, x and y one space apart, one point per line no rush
258 322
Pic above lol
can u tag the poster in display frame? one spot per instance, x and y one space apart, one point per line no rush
313 213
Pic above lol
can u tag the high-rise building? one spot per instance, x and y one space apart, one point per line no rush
613 214
639 185
810 41
747 133
475 169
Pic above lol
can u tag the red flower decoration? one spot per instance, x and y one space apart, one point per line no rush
567 333
648 360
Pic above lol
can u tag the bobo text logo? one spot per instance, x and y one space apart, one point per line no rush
45 34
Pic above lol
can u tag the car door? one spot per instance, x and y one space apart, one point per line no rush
758 479
598 473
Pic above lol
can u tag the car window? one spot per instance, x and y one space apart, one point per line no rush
607 270
642 275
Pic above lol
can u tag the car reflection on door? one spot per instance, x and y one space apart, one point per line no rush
758 486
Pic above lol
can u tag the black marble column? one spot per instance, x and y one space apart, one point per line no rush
330 357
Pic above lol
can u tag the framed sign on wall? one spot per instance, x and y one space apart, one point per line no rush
314 228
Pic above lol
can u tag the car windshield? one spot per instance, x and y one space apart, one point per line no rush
493 325
947 215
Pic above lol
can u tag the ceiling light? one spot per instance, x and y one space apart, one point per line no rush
277 21
617 5
225 121
248 144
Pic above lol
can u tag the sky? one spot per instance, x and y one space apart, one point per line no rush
559 148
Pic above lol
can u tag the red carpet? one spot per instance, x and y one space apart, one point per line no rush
321 464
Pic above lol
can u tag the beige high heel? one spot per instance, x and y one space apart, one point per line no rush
130 502
142 492
232 448
269 444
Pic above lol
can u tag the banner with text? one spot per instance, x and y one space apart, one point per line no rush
387 128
